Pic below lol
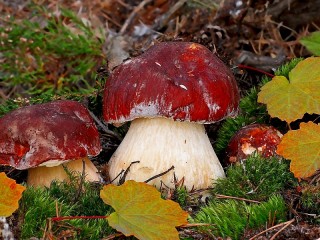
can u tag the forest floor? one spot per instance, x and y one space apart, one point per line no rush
253 38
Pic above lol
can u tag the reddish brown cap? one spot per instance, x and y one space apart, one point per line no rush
255 137
60 130
179 80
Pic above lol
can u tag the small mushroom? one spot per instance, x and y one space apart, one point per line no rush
42 137
259 138
169 93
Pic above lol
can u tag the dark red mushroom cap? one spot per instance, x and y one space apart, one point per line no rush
255 137
179 80
60 130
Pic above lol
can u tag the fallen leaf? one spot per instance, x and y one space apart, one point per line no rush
302 147
140 211
312 43
289 99
10 194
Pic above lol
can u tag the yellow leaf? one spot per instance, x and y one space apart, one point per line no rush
289 99
302 147
140 211
10 194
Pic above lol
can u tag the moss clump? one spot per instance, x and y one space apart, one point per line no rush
229 218
64 199
310 201
257 178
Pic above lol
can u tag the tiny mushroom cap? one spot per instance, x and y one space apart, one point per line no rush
41 137
259 138
168 93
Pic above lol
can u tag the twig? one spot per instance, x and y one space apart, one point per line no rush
236 198
165 18
104 128
133 15
286 224
123 178
82 177
57 219
284 227
159 175
242 66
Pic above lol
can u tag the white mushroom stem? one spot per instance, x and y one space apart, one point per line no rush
160 143
43 176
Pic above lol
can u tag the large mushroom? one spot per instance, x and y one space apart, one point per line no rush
42 137
168 93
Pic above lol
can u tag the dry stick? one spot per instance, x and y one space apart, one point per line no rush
159 175
236 198
123 178
278 225
133 15
82 177
165 18
284 227
104 128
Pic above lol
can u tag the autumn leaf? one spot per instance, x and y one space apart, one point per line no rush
312 43
289 99
140 211
302 147
10 194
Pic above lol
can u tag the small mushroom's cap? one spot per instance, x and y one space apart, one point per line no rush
179 80
261 138
48 133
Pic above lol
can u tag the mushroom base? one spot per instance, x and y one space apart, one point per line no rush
158 144
43 176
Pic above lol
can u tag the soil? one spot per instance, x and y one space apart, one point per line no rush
251 37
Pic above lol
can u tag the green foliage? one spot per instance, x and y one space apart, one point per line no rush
39 204
229 218
257 178
49 54
312 43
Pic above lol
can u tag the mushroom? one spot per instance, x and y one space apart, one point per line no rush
42 137
169 93
259 138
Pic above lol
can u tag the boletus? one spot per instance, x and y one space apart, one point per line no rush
42 137
169 93
260 138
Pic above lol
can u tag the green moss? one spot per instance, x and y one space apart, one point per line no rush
285 69
310 201
257 178
69 200
49 53
229 218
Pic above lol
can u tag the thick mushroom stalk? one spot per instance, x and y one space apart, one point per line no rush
160 143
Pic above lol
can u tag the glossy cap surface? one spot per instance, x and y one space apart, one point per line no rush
179 80
56 131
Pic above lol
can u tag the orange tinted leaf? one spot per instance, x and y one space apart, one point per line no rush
302 147
10 194
289 99
140 211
